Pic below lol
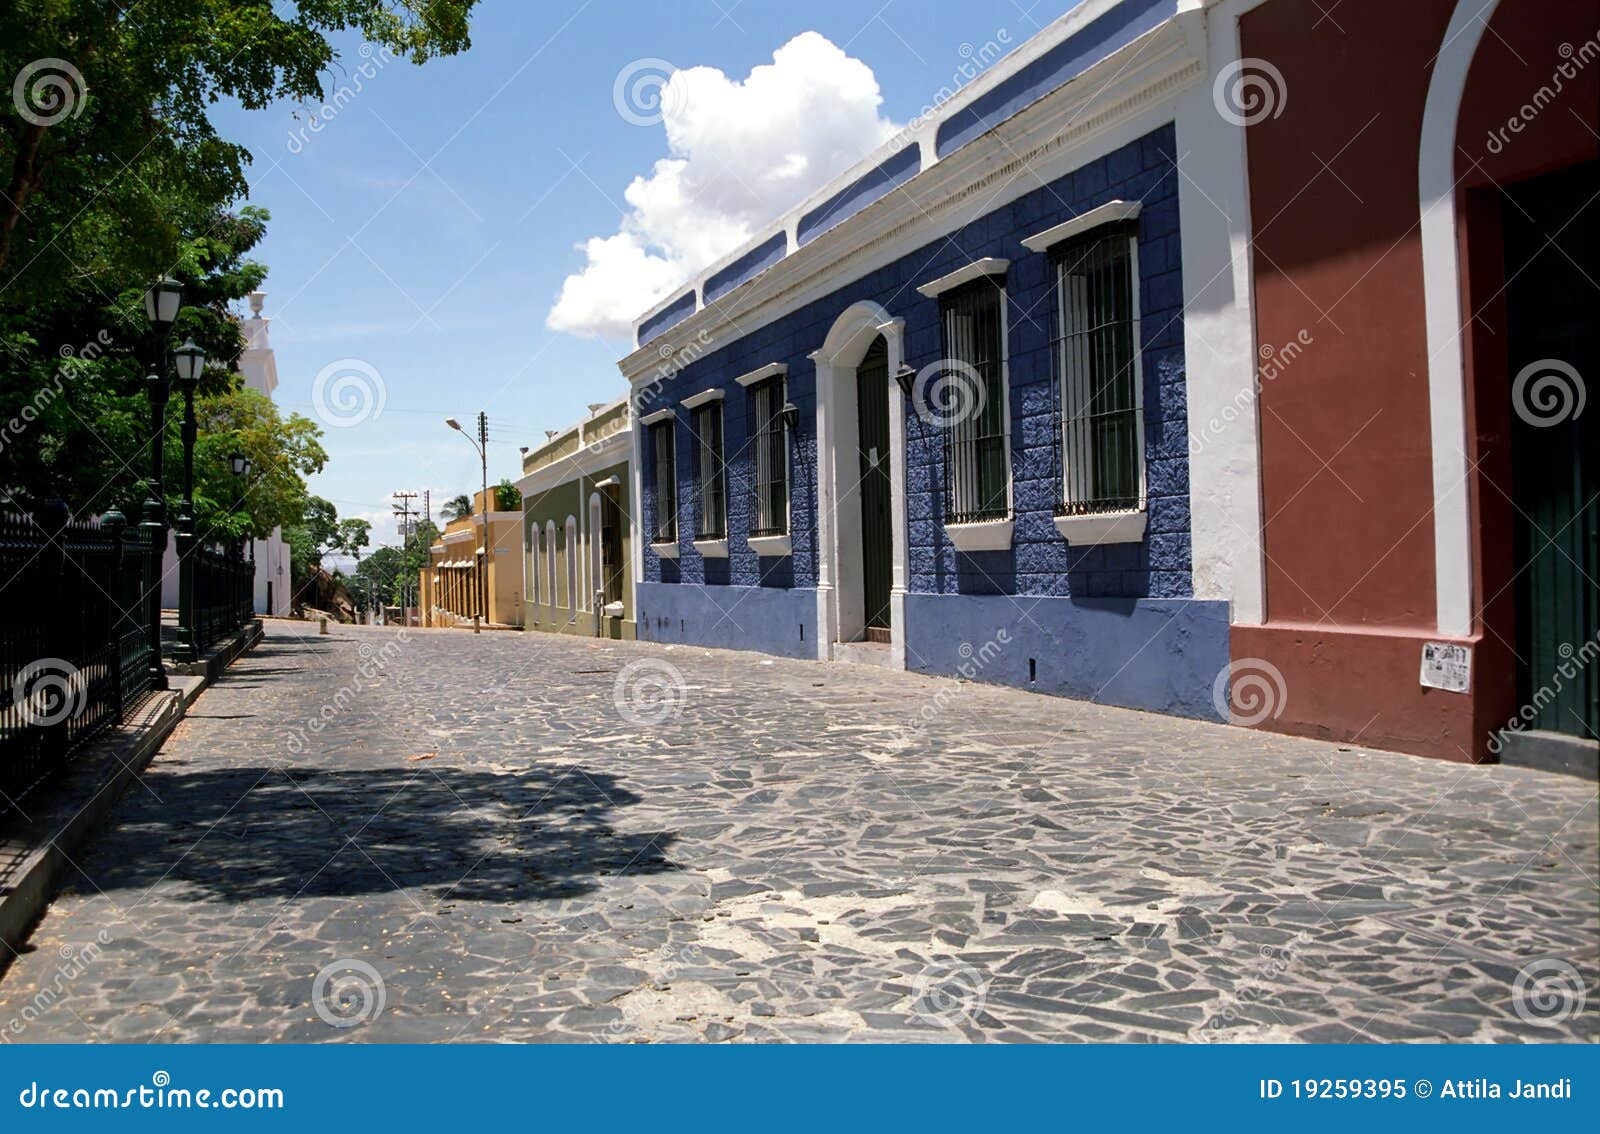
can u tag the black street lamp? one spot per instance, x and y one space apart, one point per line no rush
245 599
191 360
161 305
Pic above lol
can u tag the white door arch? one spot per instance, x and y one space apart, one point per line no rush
840 605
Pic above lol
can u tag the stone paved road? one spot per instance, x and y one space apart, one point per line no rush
783 859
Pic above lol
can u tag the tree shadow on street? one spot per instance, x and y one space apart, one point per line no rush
253 832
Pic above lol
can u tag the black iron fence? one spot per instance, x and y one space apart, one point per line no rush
224 585
74 638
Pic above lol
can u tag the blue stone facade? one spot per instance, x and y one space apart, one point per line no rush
1066 598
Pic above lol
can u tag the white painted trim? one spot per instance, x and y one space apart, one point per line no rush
668 550
770 545
695 401
1103 527
612 449
1220 359
838 525
770 370
458 536
712 548
981 535
1112 212
977 270
1116 101
1441 290
659 416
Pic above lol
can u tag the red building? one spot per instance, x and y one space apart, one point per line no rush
1424 213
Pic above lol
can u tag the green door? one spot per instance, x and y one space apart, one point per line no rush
877 546
1552 303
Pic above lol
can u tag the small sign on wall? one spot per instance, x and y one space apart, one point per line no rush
1446 665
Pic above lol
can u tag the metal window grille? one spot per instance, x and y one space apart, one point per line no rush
664 452
611 545
710 477
976 475
769 458
1098 397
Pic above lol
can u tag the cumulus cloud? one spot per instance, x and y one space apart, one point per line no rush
740 152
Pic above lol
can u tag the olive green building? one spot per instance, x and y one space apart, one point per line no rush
576 538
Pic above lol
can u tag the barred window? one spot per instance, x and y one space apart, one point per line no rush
664 460
710 477
769 458
976 464
1098 376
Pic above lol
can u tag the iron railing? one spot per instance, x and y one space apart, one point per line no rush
74 638
976 464
1097 391
769 458
711 510
224 583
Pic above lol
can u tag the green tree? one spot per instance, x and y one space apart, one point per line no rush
111 149
507 497
351 536
456 507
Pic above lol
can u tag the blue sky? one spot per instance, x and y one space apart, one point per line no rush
427 229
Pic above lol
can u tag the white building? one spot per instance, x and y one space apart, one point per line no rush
259 368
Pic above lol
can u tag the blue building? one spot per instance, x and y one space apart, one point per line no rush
939 415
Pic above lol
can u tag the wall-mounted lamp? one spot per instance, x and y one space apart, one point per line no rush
791 416
905 378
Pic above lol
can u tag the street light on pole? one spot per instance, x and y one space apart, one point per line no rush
482 446
191 360
161 304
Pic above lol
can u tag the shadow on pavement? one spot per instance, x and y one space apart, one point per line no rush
263 832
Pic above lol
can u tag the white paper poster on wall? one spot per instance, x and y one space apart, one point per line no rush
1446 665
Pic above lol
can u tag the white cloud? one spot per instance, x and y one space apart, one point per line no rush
741 152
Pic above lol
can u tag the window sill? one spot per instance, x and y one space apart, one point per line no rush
665 550
1105 527
770 545
712 548
983 535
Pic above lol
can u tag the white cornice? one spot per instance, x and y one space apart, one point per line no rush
921 133
1125 95
1111 212
612 449
659 416
695 401
770 370
977 270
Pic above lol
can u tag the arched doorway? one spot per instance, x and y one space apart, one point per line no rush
861 487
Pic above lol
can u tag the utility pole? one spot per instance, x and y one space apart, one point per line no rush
427 505
488 509
405 512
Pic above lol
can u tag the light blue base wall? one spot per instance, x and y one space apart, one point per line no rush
771 620
1157 654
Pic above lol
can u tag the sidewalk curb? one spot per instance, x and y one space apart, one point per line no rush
27 889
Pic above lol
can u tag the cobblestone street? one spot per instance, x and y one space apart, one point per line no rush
796 852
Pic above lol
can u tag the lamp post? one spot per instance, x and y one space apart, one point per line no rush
191 360
161 303
245 599
482 446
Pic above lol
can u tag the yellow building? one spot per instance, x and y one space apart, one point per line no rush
470 574
577 540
